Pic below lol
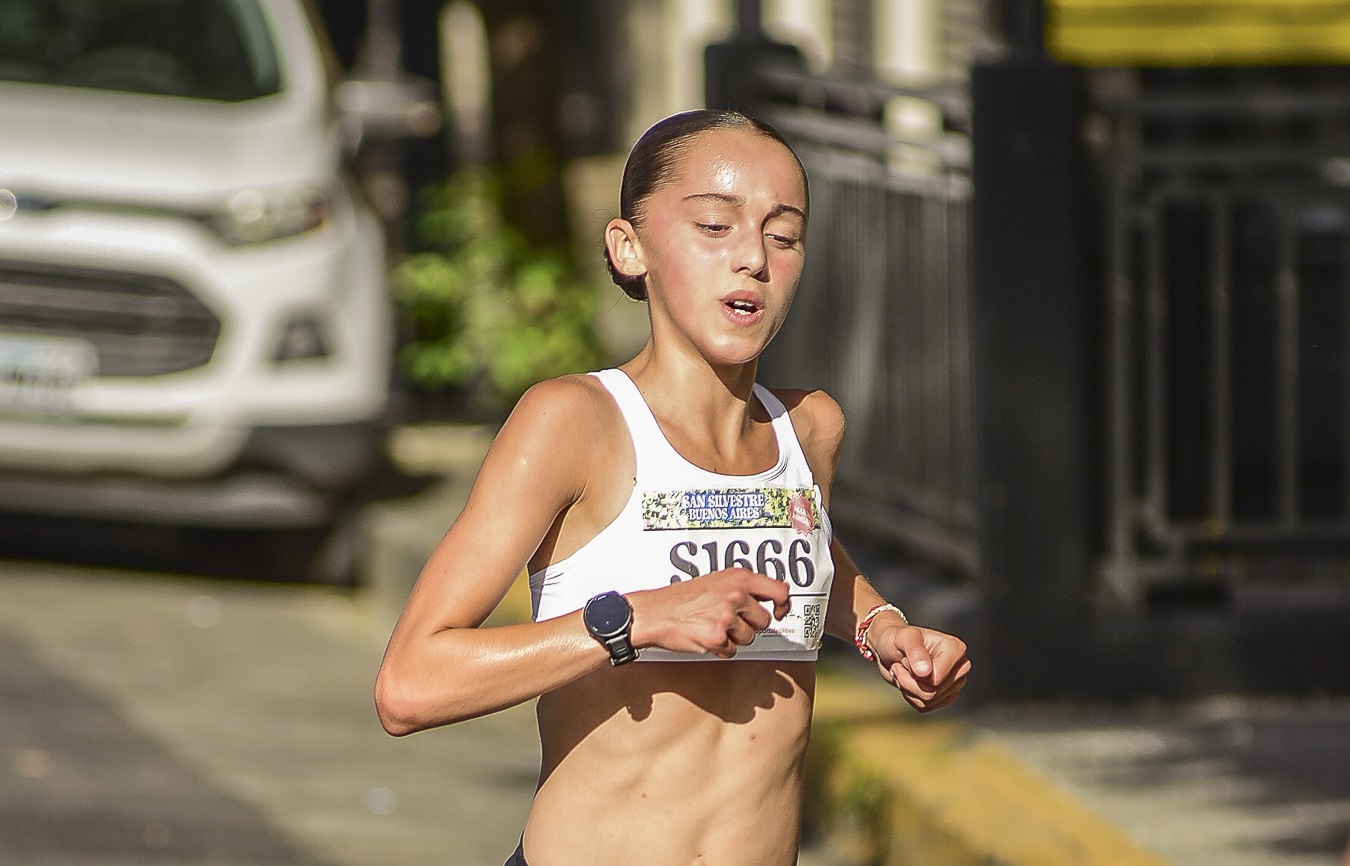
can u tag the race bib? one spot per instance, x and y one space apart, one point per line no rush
773 531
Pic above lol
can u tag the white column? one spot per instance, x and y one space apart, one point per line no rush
908 46
466 79
804 23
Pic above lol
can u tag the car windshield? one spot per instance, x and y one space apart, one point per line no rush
200 49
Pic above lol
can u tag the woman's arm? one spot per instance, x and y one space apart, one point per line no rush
557 449
440 667
929 667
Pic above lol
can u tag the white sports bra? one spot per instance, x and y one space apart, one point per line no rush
682 522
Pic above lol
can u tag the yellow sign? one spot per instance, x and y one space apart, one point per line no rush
1198 32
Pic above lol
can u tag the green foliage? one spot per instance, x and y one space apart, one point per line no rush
486 313
823 755
863 810
846 801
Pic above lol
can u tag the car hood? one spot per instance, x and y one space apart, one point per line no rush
62 144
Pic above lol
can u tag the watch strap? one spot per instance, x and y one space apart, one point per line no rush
621 649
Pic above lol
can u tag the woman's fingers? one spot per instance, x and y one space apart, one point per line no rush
754 615
725 650
928 666
740 631
764 588
714 614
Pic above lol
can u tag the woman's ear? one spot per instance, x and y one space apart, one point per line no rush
625 250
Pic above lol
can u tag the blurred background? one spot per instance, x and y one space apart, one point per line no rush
271 272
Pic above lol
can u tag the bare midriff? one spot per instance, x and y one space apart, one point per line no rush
673 764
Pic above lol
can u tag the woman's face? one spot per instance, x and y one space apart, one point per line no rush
723 242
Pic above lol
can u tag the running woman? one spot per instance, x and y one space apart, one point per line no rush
673 517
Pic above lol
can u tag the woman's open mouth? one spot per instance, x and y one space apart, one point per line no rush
743 309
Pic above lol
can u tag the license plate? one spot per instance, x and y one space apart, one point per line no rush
38 374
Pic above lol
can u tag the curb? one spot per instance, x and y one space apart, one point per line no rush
903 789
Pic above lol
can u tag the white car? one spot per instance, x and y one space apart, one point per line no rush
195 327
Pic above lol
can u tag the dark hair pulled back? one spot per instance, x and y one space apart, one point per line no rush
651 163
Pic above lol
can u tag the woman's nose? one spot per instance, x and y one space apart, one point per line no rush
752 257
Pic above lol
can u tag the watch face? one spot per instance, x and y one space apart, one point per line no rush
608 614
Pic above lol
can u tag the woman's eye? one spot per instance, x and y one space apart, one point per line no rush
713 228
785 241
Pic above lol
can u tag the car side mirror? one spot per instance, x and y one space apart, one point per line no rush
386 108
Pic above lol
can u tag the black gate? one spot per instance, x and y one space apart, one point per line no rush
881 320
1228 272
1091 330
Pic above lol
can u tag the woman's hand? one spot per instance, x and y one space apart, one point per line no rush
715 613
928 667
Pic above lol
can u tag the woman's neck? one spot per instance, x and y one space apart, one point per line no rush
674 385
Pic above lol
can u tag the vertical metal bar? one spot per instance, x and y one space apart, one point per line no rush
930 344
882 223
914 325
908 335
901 450
850 296
936 336
1125 223
871 327
1343 446
1221 381
1154 365
866 329
1120 381
958 258
1286 360
919 351
813 289
832 278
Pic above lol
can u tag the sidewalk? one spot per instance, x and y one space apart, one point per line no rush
1227 781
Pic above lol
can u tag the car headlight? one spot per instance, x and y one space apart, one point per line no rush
256 215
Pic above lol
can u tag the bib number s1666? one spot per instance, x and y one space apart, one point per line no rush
768 558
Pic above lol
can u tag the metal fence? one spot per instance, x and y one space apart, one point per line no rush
880 320
1228 371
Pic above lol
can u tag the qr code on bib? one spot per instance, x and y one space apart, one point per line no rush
812 622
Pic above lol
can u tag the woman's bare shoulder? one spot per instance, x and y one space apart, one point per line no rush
814 413
574 397
819 424
562 414
546 456
568 412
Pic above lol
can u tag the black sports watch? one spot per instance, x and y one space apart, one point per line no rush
609 619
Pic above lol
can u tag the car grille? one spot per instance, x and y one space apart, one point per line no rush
140 325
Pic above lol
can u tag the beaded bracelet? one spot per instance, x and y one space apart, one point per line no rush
860 639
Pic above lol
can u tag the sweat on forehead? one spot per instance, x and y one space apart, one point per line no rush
654 159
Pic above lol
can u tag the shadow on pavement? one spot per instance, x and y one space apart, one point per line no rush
277 555
321 554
